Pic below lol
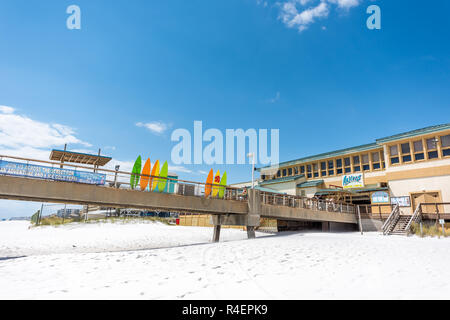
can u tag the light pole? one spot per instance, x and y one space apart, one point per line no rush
252 155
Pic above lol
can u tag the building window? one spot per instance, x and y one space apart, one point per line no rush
365 162
302 170
445 145
315 170
279 173
263 177
296 170
432 148
290 172
284 172
356 164
309 168
330 168
323 168
406 152
418 150
393 152
376 160
339 166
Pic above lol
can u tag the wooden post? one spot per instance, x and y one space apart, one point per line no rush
360 223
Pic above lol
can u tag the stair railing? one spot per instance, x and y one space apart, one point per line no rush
391 219
414 218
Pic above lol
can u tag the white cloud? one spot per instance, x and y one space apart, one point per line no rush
6 110
301 14
157 127
22 136
276 98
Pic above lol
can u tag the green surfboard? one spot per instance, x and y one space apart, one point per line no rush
135 173
223 183
164 172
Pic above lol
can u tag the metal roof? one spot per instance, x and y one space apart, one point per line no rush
310 184
283 179
414 133
76 157
323 156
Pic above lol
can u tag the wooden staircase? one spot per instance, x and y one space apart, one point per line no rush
398 224
401 225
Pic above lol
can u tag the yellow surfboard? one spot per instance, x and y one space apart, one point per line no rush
155 173
209 180
216 189
145 175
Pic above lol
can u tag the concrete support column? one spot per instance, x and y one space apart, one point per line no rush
216 235
254 212
325 226
251 232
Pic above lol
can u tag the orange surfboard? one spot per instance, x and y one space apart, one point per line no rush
145 175
155 173
215 190
209 181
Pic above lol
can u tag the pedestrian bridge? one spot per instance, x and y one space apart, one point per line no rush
234 209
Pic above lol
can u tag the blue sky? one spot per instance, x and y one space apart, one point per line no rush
321 77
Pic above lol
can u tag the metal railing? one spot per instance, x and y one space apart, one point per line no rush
306 203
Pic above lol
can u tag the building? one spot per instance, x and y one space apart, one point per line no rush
406 169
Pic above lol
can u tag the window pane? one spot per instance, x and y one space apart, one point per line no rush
357 168
330 164
284 172
339 171
419 156
302 169
376 166
446 152
309 168
431 144
393 150
395 160
356 160
445 141
405 148
296 170
278 173
330 172
376 157
418 146
347 162
323 166
406 158
433 155
348 170
316 174
366 167
324 173
365 159
315 167
339 163
290 171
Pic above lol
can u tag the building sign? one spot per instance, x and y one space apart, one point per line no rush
380 197
353 181
401 201
48 173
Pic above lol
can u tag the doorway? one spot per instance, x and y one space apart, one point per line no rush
426 197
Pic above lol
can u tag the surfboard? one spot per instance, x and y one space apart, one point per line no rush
215 190
145 175
209 180
223 182
164 172
155 173
134 180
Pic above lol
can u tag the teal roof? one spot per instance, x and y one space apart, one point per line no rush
362 148
269 190
414 133
283 179
365 147
308 184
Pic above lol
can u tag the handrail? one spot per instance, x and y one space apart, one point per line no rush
392 217
414 217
